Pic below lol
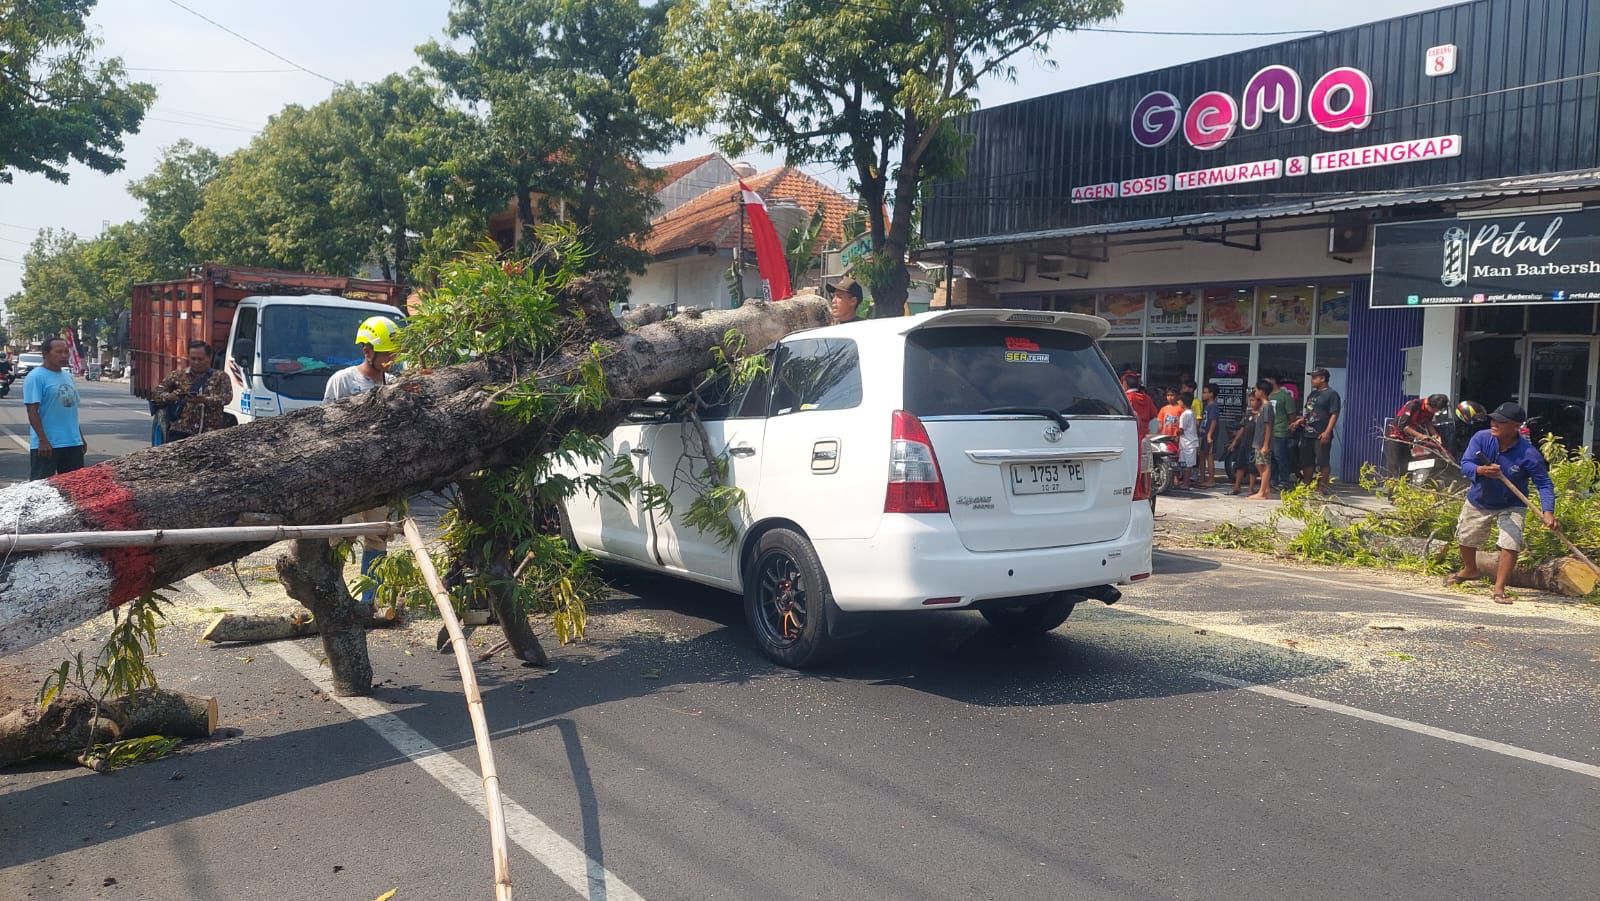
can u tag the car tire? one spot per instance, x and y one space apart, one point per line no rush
1030 619
787 601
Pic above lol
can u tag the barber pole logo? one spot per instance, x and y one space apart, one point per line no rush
1455 258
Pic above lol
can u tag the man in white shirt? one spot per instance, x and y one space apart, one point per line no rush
376 336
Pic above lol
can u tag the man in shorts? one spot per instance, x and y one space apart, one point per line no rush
1500 450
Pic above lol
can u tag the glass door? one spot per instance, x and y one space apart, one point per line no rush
1559 390
1286 361
1226 364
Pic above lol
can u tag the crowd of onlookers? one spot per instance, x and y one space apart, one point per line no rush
1278 442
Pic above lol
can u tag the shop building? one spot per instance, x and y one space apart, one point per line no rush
1413 204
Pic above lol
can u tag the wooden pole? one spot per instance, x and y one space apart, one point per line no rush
480 724
79 541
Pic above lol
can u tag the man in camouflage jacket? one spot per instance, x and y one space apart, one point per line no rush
194 397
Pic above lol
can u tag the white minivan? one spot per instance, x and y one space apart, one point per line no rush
963 459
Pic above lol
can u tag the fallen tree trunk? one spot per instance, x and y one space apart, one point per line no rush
257 627
69 726
320 464
1567 576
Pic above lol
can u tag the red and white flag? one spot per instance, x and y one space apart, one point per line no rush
770 258
73 362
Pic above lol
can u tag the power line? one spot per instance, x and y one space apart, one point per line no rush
10 260
1202 34
241 37
860 4
208 71
249 131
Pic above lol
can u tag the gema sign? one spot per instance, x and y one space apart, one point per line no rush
1341 100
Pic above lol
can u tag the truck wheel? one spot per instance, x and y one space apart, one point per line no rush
786 601
1030 619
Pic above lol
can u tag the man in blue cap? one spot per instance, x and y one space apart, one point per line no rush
1496 452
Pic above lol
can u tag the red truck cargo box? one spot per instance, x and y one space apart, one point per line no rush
166 316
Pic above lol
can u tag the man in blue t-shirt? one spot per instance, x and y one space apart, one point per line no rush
55 442
1500 450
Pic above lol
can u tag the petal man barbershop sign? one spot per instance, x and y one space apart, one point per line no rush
1528 259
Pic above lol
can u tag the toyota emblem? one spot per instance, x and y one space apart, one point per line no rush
1052 433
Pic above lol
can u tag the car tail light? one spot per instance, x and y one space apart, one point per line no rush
915 485
1142 482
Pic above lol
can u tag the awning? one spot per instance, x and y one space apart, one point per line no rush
1488 188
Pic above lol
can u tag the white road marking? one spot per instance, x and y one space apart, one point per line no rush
1473 741
1334 582
568 862
17 438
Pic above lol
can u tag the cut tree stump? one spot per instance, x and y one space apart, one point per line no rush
257 627
65 728
320 464
1567 576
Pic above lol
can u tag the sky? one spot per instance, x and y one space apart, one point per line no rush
223 89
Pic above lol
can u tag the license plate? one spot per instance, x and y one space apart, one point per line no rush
1424 463
1047 478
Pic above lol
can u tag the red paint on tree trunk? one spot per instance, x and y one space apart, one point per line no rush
106 505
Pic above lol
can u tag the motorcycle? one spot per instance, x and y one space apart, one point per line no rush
1163 460
5 382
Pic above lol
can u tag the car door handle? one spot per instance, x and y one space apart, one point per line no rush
640 452
742 450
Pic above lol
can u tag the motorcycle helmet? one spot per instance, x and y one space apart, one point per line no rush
1470 411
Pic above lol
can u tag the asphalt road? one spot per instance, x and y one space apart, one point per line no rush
1235 728
114 423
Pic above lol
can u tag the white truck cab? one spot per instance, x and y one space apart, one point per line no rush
282 349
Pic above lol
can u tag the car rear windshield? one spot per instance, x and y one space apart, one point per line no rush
972 369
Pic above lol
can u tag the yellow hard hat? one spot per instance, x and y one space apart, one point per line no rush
379 332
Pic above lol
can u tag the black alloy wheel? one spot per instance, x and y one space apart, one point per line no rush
786 599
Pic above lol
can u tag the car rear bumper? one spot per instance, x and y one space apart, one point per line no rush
914 558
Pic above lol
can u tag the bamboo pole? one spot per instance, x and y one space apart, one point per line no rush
480 724
79 541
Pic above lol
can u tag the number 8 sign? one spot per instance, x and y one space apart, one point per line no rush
1440 60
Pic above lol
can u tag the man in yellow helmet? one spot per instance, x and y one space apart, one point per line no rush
376 337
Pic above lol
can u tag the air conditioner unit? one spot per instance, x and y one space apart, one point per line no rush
1051 266
1348 235
986 267
1002 267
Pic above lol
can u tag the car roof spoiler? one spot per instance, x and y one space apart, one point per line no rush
1093 326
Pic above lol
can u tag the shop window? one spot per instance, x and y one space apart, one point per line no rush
1561 319
1125 312
1228 311
1124 353
1071 303
1496 320
1174 312
1284 309
1169 362
1333 310
1332 353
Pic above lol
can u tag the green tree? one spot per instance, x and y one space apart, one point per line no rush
872 85
551 82
171 195
356 179
57 103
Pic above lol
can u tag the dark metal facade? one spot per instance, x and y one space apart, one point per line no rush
1378 338
1525 99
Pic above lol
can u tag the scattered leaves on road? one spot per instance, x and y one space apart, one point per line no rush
388 894
652 673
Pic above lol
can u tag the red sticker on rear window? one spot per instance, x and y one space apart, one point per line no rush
1021 344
